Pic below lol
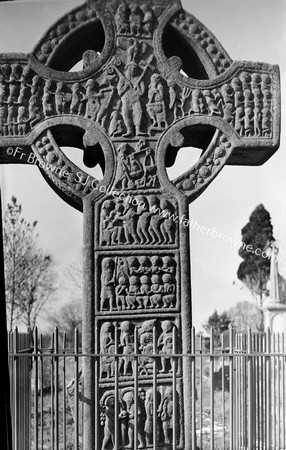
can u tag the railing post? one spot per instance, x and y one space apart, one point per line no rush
64 391
231 388
36 367
274 392
223 388
261 374
76 391
5 404
268 389
283 388
193 372
212 389
52 394
237 390
250 388
22 392
16 424
136 390
201 391
174 384
155 395
41 392
116 390
56 381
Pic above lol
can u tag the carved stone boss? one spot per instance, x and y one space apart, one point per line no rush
154 79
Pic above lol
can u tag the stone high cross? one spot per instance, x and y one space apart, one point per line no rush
154 79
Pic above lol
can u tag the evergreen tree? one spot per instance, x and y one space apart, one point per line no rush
219 323
257 235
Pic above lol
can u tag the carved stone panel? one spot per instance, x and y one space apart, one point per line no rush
167 403
145 338
138 283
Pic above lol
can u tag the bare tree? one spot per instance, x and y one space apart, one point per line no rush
246 315
29 273
69 316
67 319
73 279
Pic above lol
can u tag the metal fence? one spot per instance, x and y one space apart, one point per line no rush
238 393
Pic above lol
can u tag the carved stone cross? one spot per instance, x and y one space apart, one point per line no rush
154 79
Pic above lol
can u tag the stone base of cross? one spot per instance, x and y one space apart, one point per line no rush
154 79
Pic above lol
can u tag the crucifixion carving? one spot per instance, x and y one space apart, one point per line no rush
153 79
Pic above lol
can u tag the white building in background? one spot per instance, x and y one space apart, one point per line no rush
274 308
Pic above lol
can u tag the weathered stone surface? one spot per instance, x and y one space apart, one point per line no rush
154 79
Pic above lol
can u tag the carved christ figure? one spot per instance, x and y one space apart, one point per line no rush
130 89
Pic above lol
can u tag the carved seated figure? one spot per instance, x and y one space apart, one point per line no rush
107 208
148 20
122 19
156 291
132 293
146 347
136 18
169 265
136 171
144 290
157 264
156 104
133 265
145 265
169 289
145 361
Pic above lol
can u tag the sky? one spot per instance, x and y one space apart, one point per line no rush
249 30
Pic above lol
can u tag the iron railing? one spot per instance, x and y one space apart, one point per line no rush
238 394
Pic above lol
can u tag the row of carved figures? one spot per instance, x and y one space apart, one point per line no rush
143 220
245 102
22 105
163 345
27 99
145 415
135 20
137 283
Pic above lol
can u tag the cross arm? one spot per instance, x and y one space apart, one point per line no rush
217 101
